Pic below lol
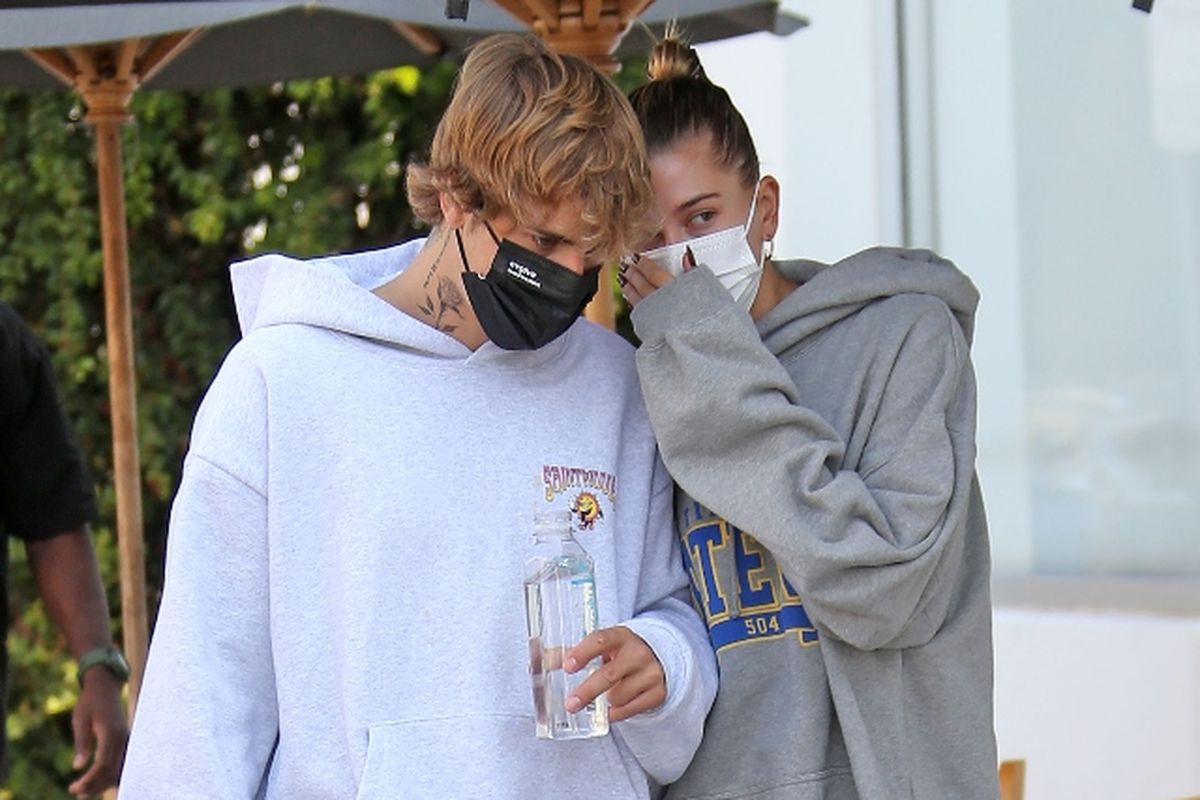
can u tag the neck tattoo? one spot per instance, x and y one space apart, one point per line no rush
447 300
445 236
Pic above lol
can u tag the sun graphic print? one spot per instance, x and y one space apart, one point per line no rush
586 508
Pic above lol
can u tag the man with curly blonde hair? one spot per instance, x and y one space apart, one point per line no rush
539 150
342 613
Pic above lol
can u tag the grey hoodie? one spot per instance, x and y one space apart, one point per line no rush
840 554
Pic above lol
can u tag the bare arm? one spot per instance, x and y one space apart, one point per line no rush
68 579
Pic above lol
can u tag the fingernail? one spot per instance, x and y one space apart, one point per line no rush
573 704
622 280
570 664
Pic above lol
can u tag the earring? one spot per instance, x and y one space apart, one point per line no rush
768 249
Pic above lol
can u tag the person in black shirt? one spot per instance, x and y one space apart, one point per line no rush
46 500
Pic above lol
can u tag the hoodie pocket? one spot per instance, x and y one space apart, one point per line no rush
488 756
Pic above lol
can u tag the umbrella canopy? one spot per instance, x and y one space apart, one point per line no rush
254 42
240 43
107 51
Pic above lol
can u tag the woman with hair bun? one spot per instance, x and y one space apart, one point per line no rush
819 421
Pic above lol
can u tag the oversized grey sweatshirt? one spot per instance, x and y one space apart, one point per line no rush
343 611
833 526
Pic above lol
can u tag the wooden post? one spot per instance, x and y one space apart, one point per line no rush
602 310
1012 779
108 102
106 76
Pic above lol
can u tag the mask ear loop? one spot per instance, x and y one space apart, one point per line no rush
491 232
462 251
763 254
753 205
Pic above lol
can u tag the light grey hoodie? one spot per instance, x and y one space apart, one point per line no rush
840 553
343 611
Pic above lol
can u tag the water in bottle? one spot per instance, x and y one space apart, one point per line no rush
560 606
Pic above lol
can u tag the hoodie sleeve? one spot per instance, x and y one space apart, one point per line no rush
206 720
874 551
665 739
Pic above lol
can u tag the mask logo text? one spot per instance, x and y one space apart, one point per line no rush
524 273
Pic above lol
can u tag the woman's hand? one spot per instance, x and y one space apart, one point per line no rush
639 276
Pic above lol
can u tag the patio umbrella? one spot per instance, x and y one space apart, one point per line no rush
255 42
107 51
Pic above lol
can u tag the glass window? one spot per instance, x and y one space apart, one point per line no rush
1095 108
1052 150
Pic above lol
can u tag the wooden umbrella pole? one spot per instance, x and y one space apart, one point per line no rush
108 102
602 309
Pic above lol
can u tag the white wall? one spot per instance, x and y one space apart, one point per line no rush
1103 706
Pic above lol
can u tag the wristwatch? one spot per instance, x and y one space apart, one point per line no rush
109 657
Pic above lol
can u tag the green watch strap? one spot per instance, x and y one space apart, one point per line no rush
109 657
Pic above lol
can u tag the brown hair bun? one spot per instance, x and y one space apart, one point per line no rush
674 58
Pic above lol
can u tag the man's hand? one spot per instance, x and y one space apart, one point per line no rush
630 674
101 732
68 579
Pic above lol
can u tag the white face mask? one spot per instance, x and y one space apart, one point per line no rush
726 252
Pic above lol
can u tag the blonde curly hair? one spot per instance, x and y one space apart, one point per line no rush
528 129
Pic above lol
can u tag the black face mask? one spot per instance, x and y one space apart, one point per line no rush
526 300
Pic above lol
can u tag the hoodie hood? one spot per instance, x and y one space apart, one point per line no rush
336 292
828 293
